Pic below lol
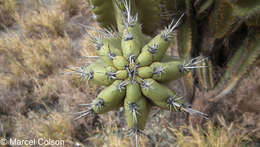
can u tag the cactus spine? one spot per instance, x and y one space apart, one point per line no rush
134 65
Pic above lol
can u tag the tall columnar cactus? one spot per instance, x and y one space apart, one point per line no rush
148 13
134 67
225 31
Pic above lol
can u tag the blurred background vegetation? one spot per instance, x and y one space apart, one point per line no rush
40 39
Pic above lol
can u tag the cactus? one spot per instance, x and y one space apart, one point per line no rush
134 66
134 71
245 8
148 13
99 8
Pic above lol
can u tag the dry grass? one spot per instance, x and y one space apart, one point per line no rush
112 136
88 49
211 136
32 59
55 126
8 8
44 20
69 5
35 57
45 92
226 135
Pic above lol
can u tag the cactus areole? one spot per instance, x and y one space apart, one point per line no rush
133 69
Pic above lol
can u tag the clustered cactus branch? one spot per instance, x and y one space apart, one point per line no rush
134 66
134 72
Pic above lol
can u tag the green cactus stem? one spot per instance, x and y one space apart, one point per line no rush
240 63
132 71
245 8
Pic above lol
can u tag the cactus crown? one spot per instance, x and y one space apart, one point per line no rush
132 68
